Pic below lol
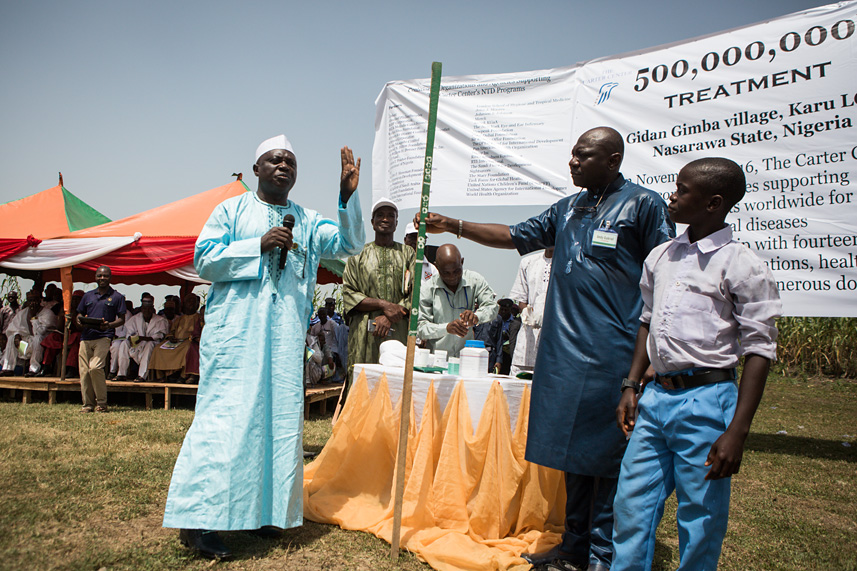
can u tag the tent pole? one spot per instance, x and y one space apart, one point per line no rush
185 289
407 384
67 285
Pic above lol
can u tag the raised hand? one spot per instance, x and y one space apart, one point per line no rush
350 174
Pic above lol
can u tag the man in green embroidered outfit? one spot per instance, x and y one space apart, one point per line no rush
376 289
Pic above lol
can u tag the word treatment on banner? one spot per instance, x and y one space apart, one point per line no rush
780 99
501 140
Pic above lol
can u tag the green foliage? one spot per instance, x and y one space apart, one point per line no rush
336 294
7 284
818 346
318 297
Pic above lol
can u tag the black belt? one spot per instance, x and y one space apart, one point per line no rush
697 378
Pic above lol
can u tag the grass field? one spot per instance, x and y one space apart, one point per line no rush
87 492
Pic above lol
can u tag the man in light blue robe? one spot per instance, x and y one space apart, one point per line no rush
241 464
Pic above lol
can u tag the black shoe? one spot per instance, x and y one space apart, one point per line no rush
554 560
267 532
565 565
206 543
536 559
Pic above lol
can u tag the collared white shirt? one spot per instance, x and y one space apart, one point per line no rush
531 287
708 303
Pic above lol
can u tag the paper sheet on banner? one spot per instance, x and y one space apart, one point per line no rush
500 139
779 98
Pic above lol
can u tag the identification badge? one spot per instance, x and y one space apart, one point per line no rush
605 238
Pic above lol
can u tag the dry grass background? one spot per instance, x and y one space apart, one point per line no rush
87 492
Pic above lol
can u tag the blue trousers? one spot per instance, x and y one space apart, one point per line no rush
667 451
588 519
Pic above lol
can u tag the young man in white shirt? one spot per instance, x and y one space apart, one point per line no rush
707 300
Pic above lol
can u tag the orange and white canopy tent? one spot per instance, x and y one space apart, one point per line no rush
54 212
152 247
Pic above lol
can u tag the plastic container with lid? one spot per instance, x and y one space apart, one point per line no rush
474 360
453 365
440 358
422 357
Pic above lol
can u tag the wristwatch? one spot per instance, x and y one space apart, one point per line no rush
629 384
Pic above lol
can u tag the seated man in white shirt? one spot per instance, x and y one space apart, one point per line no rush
43 323
29 325
17 330
143 331
449 301
115 350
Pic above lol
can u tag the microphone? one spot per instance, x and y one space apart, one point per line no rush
288 222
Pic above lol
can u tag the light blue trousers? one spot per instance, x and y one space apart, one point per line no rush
667 451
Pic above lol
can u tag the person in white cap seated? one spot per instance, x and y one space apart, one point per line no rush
376 289
241 463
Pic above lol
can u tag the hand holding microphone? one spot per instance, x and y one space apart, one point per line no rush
289 224
280 237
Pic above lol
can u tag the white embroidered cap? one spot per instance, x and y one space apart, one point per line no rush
278 142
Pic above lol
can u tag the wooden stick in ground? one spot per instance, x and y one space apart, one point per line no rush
402 451
407 383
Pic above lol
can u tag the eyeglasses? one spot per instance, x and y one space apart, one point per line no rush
587 209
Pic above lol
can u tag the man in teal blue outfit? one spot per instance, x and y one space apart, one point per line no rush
241 464
601 237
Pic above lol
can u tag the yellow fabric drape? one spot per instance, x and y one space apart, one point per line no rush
471 501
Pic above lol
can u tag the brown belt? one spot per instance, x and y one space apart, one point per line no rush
698 378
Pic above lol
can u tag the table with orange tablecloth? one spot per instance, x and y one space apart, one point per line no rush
471 500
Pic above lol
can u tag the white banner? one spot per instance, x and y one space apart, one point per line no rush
779 98
500 140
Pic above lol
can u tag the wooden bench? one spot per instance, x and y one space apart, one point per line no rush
53 384
319 393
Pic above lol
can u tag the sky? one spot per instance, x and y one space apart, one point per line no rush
140 104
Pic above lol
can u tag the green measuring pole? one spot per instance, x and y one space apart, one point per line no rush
407 384
424 196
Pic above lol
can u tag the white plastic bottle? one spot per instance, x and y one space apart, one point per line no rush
474 360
